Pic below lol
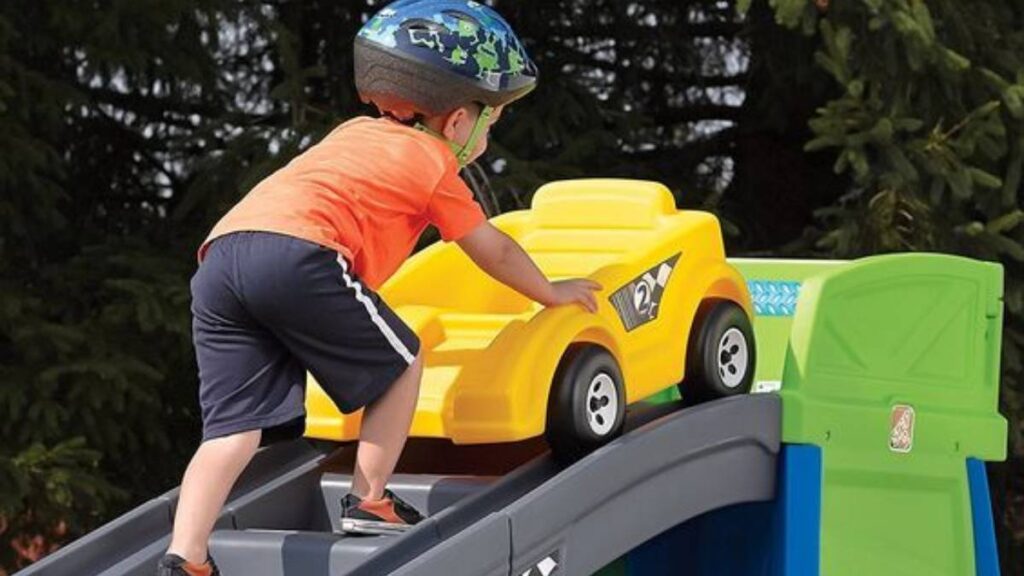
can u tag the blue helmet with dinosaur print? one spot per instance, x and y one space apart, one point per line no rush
432 56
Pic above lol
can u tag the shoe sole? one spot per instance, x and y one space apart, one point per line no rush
351 526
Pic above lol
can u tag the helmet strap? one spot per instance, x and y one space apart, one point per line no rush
463 151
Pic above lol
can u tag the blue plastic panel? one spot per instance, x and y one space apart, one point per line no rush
776 538
986 555
798 522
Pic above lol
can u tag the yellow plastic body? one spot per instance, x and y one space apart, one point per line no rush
490 353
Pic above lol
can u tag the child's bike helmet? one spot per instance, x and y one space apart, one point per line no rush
428 57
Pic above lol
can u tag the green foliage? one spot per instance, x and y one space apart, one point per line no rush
126 130
49 493
94 324
641 90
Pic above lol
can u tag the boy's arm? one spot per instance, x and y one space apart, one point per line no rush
505 261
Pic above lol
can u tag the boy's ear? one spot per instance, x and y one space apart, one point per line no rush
453 120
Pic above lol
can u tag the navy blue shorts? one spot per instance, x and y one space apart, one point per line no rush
265 309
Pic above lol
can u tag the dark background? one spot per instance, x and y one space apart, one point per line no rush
127 127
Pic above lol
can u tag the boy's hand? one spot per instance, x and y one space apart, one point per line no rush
576 291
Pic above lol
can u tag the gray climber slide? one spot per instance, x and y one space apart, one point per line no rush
494 510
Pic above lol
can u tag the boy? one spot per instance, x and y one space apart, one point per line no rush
286 278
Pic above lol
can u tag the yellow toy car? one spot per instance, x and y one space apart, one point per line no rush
500 368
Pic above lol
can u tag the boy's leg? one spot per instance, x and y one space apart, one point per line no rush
359 351
249 383
384 430
208 480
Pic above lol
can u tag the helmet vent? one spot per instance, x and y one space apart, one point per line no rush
461 17
422 25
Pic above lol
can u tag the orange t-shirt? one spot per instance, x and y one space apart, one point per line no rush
367 190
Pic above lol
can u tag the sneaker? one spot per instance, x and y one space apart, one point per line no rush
174 565
389 515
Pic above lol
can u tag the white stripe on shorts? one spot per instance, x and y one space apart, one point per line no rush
393 338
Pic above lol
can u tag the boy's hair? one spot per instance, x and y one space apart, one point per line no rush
418 120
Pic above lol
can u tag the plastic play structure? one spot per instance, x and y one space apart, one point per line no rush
888 372
860 451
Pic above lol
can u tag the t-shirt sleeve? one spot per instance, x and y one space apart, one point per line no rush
452 208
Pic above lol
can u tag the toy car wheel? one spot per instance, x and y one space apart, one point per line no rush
721 355
587 405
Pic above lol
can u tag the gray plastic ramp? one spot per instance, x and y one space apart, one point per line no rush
458 521
541 518
709 458
131 544
649 480
582 518
253 550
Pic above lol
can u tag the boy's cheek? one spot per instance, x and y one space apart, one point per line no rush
481 147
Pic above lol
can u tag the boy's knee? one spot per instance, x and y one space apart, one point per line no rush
238 440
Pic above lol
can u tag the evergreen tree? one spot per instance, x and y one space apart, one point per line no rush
102 107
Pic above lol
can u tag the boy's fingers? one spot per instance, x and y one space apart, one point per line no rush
589 301
591 285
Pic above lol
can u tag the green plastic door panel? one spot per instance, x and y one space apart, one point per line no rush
892 368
